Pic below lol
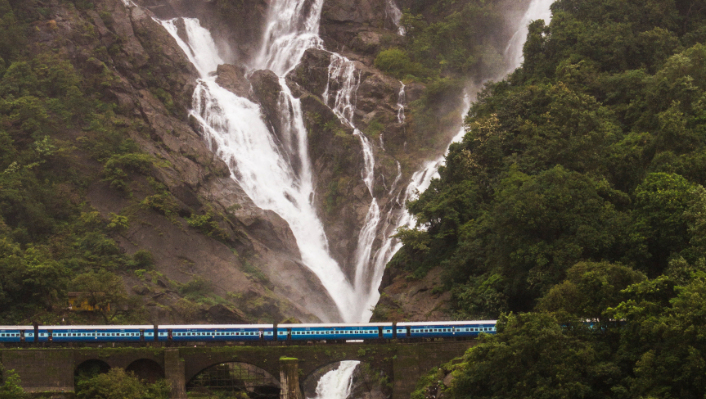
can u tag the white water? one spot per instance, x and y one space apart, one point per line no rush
538 9
337 384
236 132
264 168
340 95
421 180
401 100
395 14
291 30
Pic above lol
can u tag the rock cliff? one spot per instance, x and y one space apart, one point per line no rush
247 255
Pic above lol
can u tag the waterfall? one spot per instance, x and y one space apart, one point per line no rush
401 99
421 179
234 129
291 30
395 14
344 75
338 383
538 9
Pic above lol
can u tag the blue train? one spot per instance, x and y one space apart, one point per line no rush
245 332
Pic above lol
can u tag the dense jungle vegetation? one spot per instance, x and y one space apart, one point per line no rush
577 194
445 42
58 133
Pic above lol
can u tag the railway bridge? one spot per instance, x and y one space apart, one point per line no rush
54 369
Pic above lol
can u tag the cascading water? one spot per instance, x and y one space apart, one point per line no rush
422 178
344 74
258 163
292 28
338 383
395 14
264 167
401 99
538 9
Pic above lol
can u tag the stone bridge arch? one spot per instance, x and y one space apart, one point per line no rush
236 377
122 357
146 369
90 367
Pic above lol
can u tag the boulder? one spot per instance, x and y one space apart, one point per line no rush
232 78
312 72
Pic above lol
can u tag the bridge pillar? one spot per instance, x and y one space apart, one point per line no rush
174 372
289 378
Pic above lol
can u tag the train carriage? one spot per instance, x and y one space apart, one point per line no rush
16 334
445 329
98 334
215 333
340 331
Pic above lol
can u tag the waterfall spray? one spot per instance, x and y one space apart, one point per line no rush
338 383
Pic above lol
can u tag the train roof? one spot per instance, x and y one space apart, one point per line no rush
114 327
446 323
335 325
16 327
196 326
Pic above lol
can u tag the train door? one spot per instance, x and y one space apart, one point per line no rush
262 334
380 332
142 335
22 336
409 331
50 335
169 334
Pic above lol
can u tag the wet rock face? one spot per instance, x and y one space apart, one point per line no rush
232 77
312 72
357 26
235 24
370 12
404 299
254 256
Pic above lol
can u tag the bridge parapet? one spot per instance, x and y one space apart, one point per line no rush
52 369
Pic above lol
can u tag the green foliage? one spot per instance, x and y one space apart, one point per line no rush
207 225
396 62
105 292
118 166
587 153
534 357
195 289
11 387
461 39
143 260
590 289
118 384
578 193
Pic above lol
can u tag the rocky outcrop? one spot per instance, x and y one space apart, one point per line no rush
406 299
358 26
232 78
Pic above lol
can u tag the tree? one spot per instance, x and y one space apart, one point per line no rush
118 384
11 388
104 291
660 202
533 356
590 289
